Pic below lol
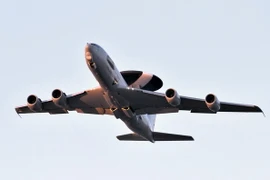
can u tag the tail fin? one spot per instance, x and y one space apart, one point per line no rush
157 136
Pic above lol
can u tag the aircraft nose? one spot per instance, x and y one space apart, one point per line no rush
88 55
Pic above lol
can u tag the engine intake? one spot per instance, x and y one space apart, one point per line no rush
172 97
34 103
59 98
212 102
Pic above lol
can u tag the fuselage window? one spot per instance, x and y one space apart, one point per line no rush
110 62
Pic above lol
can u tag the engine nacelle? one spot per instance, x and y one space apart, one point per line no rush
212 102
172 97
34 103
59 98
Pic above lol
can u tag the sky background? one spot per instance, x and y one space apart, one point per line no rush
196 47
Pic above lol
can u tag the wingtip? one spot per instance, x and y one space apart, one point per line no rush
260 110
17 112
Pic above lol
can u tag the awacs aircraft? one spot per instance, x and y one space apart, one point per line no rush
129 96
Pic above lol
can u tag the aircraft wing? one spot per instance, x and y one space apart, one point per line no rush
147 102
90 101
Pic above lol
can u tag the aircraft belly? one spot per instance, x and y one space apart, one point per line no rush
138 125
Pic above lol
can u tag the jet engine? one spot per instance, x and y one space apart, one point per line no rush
59 98
172 97
212 102
34 103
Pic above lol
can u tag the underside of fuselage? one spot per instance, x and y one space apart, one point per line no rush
111 80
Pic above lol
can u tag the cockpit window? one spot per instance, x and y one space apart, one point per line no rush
110 62
93 44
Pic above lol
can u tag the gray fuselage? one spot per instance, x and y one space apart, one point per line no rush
111 80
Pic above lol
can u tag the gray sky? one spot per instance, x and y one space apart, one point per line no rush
196 47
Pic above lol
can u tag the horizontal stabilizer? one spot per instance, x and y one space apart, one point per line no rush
157 136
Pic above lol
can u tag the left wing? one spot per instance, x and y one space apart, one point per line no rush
147 102
90 101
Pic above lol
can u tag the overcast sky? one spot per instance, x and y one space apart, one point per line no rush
196 47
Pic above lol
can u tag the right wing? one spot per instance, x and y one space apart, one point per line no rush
147 102
90 101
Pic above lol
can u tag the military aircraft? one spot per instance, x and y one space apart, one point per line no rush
130 96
